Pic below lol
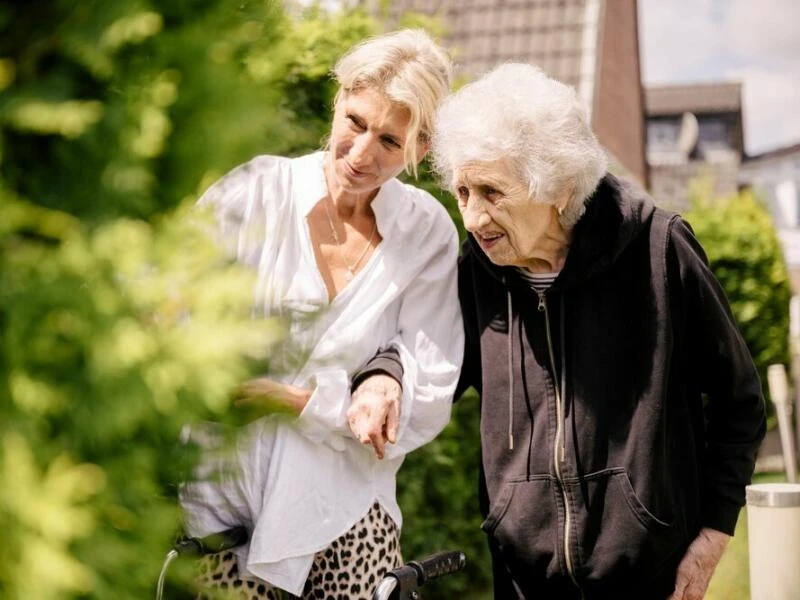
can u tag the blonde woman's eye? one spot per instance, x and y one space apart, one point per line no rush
391 143
355 122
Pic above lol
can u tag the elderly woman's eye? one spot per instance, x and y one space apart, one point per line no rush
462 192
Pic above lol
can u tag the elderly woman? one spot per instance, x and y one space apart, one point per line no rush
329 235
620 408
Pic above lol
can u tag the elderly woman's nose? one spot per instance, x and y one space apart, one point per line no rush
474 216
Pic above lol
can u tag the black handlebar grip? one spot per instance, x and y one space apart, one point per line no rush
436 565
211 544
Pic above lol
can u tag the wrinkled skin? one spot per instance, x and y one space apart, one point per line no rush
374 412
511 227
698 564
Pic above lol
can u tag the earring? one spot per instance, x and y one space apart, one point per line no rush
560 211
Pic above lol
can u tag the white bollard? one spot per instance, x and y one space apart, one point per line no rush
779 392
773 529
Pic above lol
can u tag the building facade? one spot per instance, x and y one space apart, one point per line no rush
693 131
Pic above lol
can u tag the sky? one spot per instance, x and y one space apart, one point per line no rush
756 42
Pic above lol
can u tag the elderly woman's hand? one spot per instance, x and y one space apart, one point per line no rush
698 564
268 396
374 412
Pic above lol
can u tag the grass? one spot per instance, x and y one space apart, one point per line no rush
731 580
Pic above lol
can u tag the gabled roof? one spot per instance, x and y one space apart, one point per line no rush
696 98
559 36
776 153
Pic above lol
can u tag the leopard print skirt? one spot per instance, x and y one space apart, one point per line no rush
348 569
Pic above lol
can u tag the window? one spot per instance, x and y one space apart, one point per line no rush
713 133
662 134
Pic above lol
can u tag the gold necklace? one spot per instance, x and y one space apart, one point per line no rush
350 268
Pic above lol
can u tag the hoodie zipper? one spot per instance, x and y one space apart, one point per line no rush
559 446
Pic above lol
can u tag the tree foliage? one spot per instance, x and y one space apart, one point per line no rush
122 108
118 321
112 338
437 490
745 255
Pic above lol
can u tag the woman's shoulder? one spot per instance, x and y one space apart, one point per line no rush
241 177
420 203
263 180
260 165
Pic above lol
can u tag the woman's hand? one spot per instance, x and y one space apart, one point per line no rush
374 412
698 564
270 396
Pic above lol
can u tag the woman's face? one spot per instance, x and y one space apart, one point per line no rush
367 141
510 226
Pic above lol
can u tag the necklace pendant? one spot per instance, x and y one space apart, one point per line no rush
349 275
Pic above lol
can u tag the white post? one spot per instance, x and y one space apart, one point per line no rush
794 348
779 392
773 530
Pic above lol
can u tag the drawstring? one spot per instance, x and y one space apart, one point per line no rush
510 375
563 377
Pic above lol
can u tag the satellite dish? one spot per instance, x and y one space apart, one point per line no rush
687 136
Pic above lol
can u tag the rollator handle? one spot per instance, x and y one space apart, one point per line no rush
211 544
402 582
439 564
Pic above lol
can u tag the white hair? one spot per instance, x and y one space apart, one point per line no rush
410 68
536 124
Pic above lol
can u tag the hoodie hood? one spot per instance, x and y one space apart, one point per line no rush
616 213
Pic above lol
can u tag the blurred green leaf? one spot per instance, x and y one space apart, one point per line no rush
746 256
119 320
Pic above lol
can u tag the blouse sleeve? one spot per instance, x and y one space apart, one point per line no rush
242 202
430 342
324 418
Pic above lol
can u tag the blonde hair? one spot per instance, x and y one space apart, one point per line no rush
410 69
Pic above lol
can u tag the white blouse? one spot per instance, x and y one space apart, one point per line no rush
303 482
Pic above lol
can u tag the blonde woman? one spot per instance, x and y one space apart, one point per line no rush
355 261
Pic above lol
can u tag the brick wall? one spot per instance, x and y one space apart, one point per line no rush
618 116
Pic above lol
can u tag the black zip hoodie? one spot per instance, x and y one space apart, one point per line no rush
620 410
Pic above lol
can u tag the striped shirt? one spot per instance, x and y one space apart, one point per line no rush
539 282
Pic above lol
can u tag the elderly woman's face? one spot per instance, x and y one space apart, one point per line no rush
511 228
367 140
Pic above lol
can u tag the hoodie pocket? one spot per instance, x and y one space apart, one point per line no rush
523 522
498 508
617 536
